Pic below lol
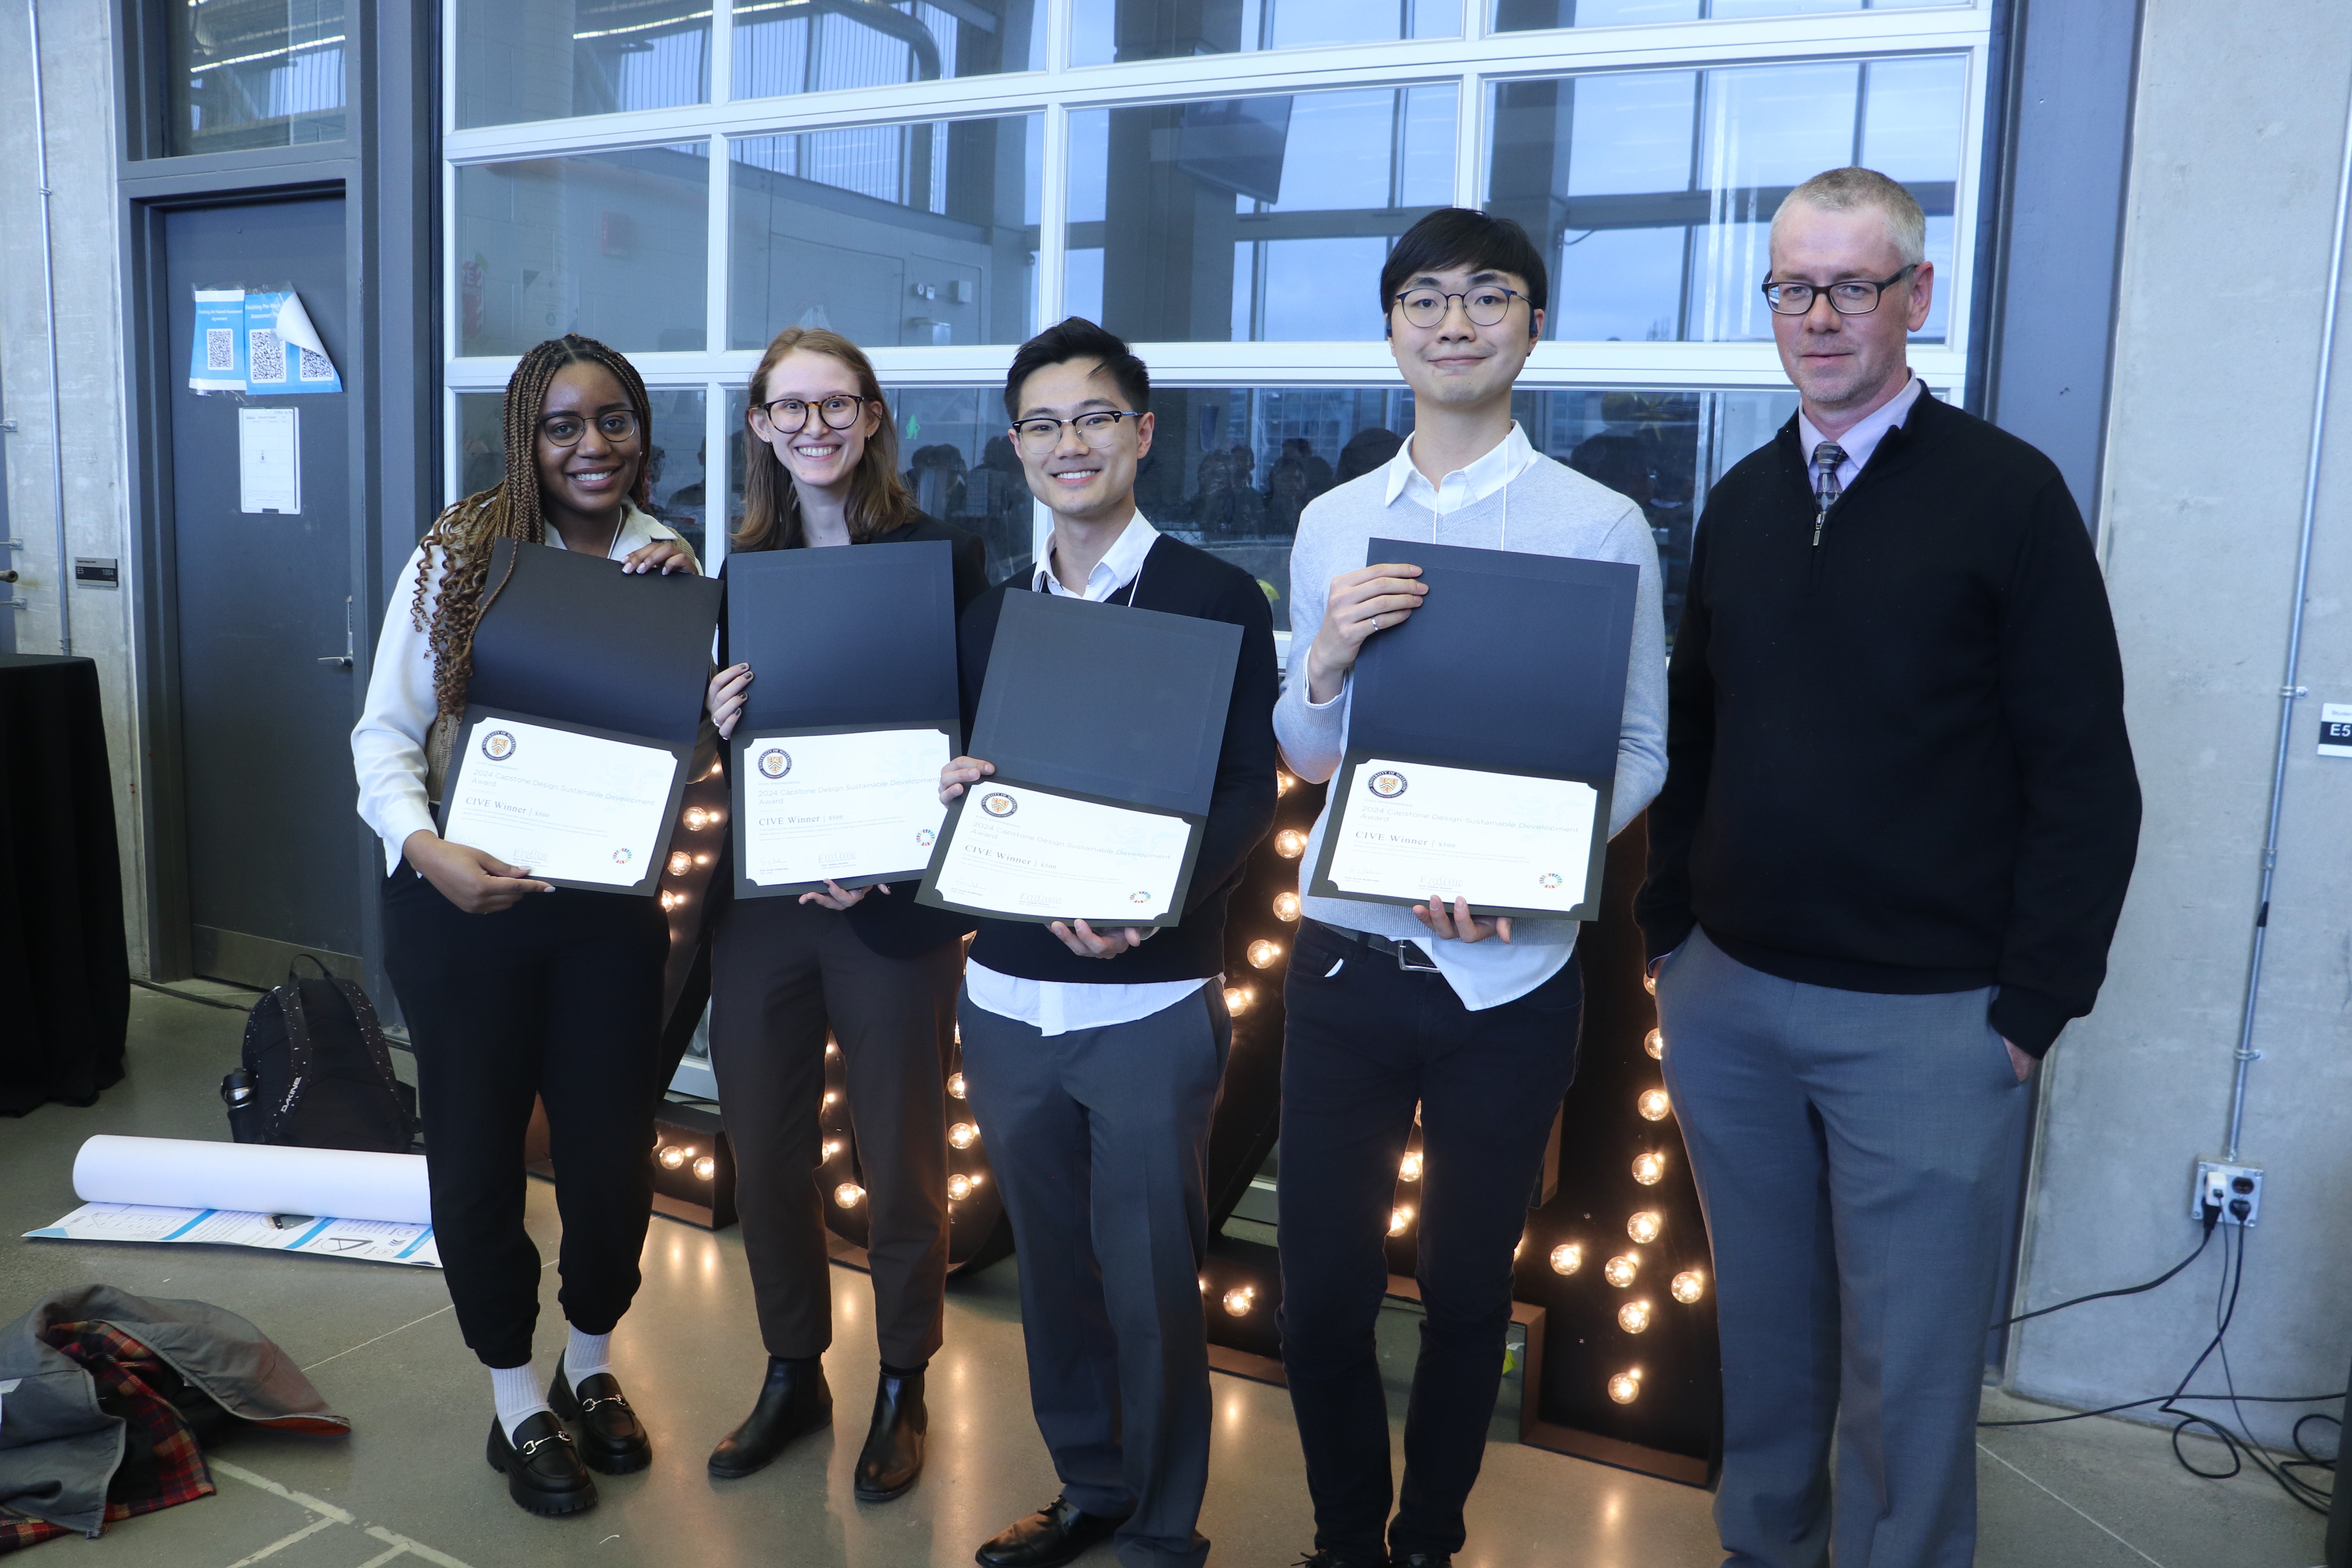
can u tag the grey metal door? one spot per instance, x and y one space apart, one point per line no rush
264 619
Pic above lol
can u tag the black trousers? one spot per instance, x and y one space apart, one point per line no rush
1099 1139
558 997
782 972
1363 1047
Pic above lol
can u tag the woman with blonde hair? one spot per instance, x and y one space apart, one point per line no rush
877 970
513 989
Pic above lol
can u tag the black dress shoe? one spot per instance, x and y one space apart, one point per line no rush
1343 1560
794 1400
542 1471
1425 1560
1054 1535
612 1438
893 1454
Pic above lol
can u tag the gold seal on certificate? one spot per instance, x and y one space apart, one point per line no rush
1498 841
573 807
849 806
1029 854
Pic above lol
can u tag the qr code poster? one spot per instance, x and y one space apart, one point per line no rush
262 345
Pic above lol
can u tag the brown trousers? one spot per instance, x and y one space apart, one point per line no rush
782 972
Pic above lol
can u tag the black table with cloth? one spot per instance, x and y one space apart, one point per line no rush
65 969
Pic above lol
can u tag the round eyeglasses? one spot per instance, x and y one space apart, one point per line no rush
1848 297
1485 305
615 425
1096 430
789 416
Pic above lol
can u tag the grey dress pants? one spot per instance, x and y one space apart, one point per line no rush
1857 1156
782 972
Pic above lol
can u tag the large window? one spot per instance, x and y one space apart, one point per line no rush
253 73
1218 182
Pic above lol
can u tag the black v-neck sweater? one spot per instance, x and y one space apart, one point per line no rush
1897 760
1181 580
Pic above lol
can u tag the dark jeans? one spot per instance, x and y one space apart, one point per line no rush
782 972
1364 1046
558 998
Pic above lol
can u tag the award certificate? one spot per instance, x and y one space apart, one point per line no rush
1411 830
573 807
860 806
1027 854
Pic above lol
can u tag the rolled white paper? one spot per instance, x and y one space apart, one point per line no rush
253 1178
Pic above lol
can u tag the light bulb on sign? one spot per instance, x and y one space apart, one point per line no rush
1240 1300
964 1135
673 1157
702 859
1688 1286
1237 1000
955 1084
1284 783
1567 1257
1654 1105
1286 906
959 1186
1644 1226
1409 1168
1633 1317
1399 1219
1621 1269
1654 1042
1625 1387
830 1096
680 863
1649 1169
694 818
848 1194
832 1147
832 1050
1290 844
705 1168
1265 955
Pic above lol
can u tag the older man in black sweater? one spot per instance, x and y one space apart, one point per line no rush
1899 817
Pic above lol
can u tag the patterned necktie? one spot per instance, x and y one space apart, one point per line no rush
1826 458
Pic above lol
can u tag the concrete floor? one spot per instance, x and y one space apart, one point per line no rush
410 1483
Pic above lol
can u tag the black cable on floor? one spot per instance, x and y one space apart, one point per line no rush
2212 1218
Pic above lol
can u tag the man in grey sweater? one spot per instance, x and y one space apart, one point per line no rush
1471 1022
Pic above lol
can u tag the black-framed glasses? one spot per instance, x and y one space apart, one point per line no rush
1485 305
1096 429
615 425
789 416
1848 297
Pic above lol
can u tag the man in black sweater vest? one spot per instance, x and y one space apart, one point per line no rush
1093 1057
1899 817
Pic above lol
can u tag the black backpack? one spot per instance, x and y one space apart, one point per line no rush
317 1073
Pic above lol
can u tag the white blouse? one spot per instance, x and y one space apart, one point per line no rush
388 742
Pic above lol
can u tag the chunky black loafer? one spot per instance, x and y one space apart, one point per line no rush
1058 1534
611 1438
794 1400
542 1470
893 1455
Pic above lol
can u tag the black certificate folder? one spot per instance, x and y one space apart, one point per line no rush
1101 703
1514 664
571 645
840 642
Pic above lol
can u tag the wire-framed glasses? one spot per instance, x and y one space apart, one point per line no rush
788 415
615 425
1485 305
1848 297
1096 429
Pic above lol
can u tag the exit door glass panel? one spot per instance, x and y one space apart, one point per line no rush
920 234
551 60
254 73
677 453
264 620
609 245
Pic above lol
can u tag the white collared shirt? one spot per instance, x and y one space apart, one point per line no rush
1860 442
1467 486
388 742
1064 1006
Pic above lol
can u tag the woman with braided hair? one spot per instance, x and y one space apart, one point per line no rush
513 988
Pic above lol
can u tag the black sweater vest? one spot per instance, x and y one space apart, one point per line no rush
1181 580
1897 760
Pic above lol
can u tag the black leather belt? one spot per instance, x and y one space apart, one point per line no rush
1410 956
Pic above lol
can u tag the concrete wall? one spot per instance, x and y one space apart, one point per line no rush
77 67
2239 135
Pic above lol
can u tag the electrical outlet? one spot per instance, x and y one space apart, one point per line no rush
2219 1186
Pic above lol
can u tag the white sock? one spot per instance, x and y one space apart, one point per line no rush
586 1355
520 1393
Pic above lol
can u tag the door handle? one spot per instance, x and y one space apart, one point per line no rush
344 658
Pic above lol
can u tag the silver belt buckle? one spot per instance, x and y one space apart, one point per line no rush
1404 961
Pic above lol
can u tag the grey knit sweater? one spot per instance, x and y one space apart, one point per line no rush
1552 509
